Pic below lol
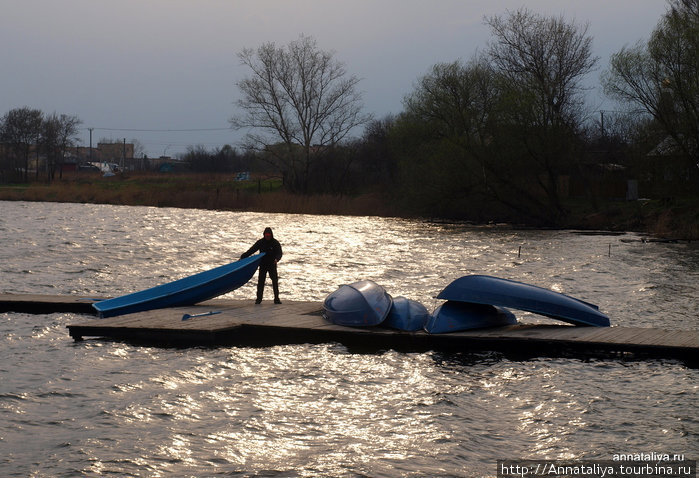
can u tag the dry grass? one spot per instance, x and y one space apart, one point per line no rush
194 191
678 220
675 224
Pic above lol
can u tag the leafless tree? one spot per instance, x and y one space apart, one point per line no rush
661 77
57 135
545 57
541 62
300 97
21 128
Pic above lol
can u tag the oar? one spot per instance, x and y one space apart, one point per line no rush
211 312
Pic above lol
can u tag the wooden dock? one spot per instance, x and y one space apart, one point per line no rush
242 323
47 304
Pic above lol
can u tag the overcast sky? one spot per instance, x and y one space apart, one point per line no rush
126 66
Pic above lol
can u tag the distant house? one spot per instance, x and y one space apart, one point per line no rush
603 173
104 152
669 170
115 152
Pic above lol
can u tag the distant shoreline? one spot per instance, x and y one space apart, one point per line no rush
662 220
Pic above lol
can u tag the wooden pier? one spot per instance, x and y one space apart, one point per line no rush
243 323
47 304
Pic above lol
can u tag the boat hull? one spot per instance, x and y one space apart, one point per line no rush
406 314
360 304
186 291
482 289
454 316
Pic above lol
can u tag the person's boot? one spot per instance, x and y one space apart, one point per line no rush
258 300
277 301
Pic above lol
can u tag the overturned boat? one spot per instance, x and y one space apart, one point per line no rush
453 316
407 314
186 291
362 303
481 289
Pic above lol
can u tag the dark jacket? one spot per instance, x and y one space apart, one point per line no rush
271 248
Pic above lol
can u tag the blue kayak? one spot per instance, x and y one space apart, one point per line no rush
187 291
362 303
407 314
456 316
481 289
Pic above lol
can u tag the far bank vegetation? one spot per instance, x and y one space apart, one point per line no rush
505 136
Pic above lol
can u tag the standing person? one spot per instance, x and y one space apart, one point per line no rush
273 254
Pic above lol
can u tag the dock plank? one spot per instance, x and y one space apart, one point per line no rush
300 321
47 303
242 322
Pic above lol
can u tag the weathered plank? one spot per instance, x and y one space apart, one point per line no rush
241 322
47 304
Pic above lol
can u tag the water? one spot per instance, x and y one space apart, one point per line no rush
101 407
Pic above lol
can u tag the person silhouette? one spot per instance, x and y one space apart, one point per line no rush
268 265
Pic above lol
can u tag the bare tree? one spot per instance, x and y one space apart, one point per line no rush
661 78
21 128
545 56
58 134
541 62
301 97
139 150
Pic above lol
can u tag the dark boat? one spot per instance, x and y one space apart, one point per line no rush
489 290
456 316
186 291
362 303
407 314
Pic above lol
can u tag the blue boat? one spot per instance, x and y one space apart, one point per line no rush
481 289
362 303
186 291
456 316
407 314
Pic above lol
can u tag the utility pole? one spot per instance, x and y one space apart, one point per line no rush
90 150
601 113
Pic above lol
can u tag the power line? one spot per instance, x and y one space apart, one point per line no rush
161 130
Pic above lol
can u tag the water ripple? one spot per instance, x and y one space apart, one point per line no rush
100 407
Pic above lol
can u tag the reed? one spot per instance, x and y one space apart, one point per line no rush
678 219
195 191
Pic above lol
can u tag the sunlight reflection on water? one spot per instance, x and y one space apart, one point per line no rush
97 250
102 407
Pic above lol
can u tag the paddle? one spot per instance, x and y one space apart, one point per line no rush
211 312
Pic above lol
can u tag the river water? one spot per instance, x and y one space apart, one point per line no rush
101 407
